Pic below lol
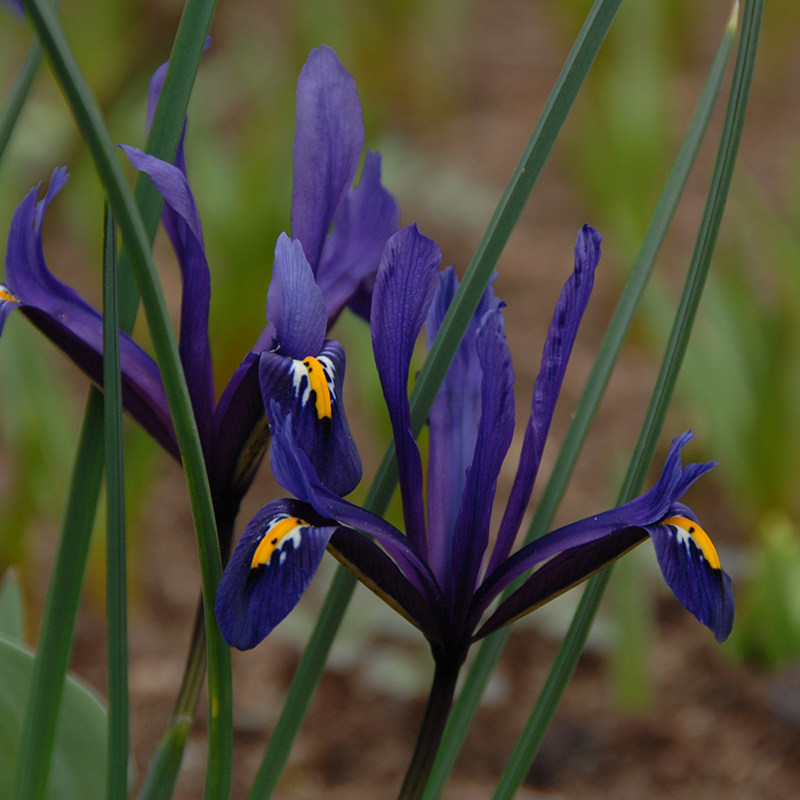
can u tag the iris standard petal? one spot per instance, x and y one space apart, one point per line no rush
186 234
329 137
271 567
294 302
453 425
557 350
311 391
404 290
652 507
352 250
495 431
72 324
692 570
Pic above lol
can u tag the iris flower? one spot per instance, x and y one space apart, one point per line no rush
444 573
339 235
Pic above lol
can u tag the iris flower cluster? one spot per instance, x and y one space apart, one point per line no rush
444 572
339 233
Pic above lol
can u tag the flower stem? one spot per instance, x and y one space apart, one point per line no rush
433 724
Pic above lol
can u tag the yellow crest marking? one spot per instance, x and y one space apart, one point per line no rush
6 295
701 538
318 381
289 527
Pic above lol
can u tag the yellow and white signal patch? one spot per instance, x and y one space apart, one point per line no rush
281 531
315 375
687 530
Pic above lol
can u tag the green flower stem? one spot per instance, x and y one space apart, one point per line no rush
491 648
567 658
433 371
90 122
116 570
430 735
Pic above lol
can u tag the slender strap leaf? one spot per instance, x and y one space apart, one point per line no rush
19 93
476 278
567 658
490 650
116 570
93 130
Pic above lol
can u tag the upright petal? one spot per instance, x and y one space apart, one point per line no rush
495 431
453 424
645 511
404 290
329 137
72 324
352 250
271 567
186 234
557 350
294 302
311 391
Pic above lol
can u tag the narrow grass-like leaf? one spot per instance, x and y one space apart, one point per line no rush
116 571
19 93
490 649
58 622
452 330
91 125
569 653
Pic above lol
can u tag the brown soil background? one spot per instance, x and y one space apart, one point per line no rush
715 729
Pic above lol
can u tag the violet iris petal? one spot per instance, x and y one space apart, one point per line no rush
329 137
352 250
294 302
71 323
648 509
287 386
294 471
495 431
557 350
404 289
186 234
254 597
453 424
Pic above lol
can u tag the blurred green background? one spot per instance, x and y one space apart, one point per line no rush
415 65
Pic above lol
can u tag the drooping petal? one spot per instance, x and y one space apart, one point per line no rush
186 234
293 470
404 290
373 567
453 424
557 349
495 431
561 573
691 568
655 505
294 302
72 324
352 250
311 391
329 137
271 567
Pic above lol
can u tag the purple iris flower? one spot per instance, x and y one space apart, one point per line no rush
339 234
444 573
15 6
